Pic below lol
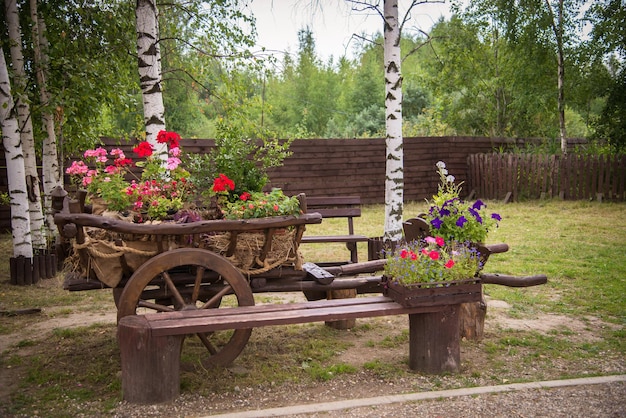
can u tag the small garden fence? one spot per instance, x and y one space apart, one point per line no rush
517 177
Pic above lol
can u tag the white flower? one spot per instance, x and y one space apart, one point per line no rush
450 179
441 164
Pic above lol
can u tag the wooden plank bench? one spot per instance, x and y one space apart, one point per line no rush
348 207
150 345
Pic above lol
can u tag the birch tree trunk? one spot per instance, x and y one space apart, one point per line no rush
394 172
557 28
16 176
149 56
50 158
25 125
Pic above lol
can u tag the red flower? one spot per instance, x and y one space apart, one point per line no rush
245 196
434 255
144 149
404 253
449 264
222 183
168 137
439 241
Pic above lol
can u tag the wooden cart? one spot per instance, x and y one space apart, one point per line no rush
179 266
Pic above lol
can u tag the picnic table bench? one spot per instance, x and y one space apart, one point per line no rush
348 207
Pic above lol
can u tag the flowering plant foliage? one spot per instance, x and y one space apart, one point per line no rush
162 188
455 219
260 205
432 260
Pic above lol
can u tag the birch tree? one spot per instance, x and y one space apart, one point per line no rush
16 175
33 189
149 62
51 171
394 171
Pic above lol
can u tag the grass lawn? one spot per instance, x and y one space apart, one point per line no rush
581 246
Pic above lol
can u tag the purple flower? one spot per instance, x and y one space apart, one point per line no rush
496 217
476 215
436 223
461 221
444 212
478 204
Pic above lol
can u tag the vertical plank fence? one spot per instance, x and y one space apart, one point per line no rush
531 176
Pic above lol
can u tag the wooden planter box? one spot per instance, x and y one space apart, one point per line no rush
431 294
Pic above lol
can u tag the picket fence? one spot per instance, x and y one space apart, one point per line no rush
516 177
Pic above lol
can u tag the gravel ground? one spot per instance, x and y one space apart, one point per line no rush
589 400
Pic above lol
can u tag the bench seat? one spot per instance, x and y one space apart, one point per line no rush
150 345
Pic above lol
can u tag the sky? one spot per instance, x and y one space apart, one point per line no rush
332 23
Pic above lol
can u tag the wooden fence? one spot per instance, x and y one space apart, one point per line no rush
332 167
524 176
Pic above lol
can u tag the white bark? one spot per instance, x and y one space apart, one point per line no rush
25 127
20 222
149 56
394 172
50 159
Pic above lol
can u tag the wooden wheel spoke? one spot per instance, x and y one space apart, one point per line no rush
197 283
215 300
208 344
172 288
154 306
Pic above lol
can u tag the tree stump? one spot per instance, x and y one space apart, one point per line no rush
341 294
472 320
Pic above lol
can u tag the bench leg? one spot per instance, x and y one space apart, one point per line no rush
150 365
434 345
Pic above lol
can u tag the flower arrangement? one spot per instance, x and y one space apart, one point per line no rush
452 218
432 260
163 187
260 205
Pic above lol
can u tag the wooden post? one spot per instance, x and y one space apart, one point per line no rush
434 345
341 294
150 365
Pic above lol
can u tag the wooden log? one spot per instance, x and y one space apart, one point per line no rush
150 365
342 294
434 345
472 320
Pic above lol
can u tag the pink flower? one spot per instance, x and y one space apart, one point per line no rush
430 240
172 163
434 255
440 242
77 168
175 152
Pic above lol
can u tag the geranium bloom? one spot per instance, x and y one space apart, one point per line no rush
168 137
430 240
77 168
440 242
222 183
244 196
172 163
434 255
404 253
144 149
449 264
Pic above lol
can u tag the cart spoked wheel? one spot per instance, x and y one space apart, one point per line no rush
190 278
